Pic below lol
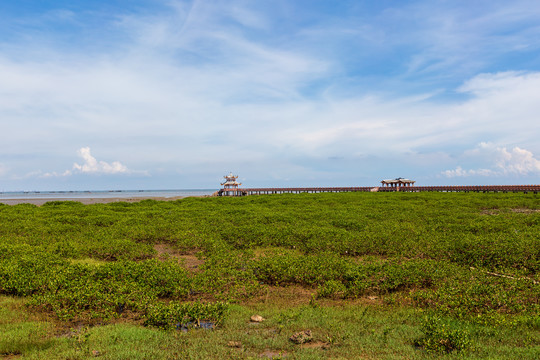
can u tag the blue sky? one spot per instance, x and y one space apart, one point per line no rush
175 94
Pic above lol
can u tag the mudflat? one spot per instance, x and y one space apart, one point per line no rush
88 201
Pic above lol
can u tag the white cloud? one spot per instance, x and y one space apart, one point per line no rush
53 174
90 166
93 166
456 40
516 161
459 171
218 84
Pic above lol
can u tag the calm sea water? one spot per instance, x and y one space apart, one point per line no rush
104 194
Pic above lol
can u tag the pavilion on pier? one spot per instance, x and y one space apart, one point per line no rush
398 182
230 186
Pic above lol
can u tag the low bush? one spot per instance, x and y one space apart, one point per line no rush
82 291
391 276
476 294
25 270
185 315
279 267
441 337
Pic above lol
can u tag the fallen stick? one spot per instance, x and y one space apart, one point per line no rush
505 276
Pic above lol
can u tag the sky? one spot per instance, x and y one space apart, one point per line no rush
173 94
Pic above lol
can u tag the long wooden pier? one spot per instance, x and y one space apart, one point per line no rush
478 188
475 188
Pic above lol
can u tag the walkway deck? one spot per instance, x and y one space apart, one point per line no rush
477 188
480 188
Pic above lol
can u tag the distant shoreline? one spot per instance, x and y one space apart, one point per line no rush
93 200
103 197
99 197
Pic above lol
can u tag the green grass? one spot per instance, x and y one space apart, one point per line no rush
372 275
347 331
20 333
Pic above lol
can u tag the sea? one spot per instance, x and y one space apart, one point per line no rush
103 194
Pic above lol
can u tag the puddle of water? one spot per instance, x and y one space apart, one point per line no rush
120 308
206 325
203 324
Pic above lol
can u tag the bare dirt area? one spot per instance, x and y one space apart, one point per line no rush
517 211
525 211
10 356
296 295
273 354
288 296
316 345
490 212
188 259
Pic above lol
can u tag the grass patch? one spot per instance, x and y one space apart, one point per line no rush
21 332
361 271
88 261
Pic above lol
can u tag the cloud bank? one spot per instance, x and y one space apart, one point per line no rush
93 166
515 161
90 166
283 92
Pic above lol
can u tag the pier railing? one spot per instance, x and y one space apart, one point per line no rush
260 191
479 188
475 188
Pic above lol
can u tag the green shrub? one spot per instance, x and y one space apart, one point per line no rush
291 267
331 288
441 338
176 315
226 275
474 294
392 276
82 291
416 247
25 270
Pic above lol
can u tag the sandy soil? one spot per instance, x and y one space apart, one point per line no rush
87 201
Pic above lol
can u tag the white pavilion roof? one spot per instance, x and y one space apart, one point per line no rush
397 181
231 182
